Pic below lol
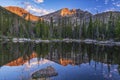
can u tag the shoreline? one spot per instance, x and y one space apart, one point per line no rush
87 41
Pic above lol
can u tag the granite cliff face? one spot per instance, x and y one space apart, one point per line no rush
23 13
73 14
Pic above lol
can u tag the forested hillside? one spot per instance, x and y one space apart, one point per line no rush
73 25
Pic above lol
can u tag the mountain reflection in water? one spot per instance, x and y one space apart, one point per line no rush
21 60
72 61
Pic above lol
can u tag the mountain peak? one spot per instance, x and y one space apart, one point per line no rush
66 11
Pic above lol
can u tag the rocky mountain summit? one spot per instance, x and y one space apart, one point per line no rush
65 12
22 13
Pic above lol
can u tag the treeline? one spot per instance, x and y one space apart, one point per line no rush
12 25
77 53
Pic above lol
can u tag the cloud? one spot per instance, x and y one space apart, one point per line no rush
39 1
117 4
106 1
110 9
37 11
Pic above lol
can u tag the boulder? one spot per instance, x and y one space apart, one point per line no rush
45 72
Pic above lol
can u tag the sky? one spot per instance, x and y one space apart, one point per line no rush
42 7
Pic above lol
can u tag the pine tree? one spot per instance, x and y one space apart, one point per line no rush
117 29
83 29
51 27
90 29
111 27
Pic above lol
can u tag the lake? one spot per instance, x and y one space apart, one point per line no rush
72 61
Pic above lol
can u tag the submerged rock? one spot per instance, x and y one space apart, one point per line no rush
46 72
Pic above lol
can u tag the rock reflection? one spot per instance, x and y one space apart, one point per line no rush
21 60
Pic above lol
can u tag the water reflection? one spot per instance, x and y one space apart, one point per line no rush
73 61
21 60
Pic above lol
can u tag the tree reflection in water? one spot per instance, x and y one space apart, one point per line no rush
75 54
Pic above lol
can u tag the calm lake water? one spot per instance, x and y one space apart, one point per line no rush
72 61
